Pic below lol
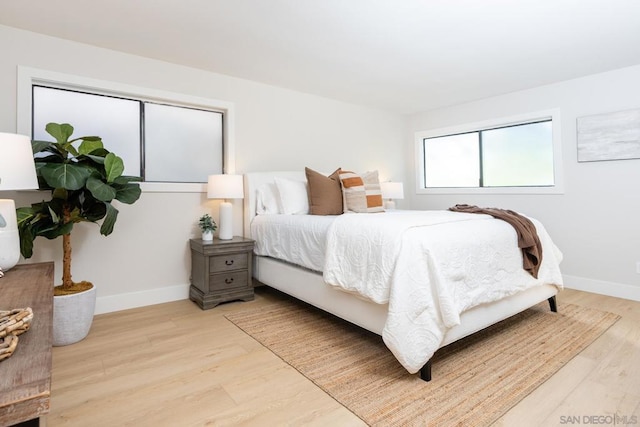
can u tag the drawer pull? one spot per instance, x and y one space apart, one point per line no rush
228 280
228 262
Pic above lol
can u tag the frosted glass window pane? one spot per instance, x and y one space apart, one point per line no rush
181 144
452 161
518 156
115 120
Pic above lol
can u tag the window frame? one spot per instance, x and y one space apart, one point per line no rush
553 115
27 77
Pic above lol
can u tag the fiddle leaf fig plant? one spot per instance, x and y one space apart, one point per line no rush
83 179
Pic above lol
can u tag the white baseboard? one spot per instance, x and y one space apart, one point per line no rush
141 298
179 292
612 289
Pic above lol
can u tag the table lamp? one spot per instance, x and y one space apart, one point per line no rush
17 172
391 190
225 187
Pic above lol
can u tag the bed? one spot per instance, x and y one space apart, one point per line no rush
308 284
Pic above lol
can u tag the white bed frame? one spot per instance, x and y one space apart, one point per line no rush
309 286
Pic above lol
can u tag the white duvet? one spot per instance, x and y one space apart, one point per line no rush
430 266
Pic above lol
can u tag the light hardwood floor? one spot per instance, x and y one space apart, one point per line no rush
176 365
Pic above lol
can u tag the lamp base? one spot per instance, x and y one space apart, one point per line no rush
389 204
225 232
9 237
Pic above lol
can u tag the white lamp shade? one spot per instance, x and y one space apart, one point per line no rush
225 187
392 190
17 169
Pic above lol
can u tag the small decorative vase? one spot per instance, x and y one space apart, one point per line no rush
207 236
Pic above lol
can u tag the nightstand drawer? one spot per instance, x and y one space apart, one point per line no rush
228 262
220 271
236 279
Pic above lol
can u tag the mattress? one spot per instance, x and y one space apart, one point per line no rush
298 239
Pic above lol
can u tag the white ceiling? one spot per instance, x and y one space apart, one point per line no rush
402 55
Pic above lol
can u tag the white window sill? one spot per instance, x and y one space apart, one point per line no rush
173 187
494 190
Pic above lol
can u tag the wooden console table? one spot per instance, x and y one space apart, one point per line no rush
25 377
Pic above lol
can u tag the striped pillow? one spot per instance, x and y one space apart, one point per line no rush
361 192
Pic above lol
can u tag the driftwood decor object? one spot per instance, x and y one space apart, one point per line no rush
13 323
8 345
25 382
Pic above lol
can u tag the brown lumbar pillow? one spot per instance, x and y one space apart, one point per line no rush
325 193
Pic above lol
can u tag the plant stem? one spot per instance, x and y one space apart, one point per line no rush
66 251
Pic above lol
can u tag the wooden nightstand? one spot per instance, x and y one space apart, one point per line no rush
221 271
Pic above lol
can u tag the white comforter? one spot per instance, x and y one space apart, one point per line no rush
430 266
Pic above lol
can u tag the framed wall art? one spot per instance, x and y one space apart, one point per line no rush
609 136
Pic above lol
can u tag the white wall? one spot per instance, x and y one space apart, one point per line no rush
596 222
147 259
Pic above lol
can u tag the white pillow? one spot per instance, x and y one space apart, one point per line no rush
267 199
294 198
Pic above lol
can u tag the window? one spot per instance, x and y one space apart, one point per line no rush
160 143
173 141
510 156
181 144
118 120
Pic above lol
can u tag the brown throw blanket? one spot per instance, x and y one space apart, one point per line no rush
528 240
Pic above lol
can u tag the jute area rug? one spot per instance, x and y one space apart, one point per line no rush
475 380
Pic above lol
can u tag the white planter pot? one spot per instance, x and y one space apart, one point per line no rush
72 316
207 236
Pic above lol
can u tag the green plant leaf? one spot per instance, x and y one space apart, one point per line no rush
61 132
71 149
93 210
98 155
54 217
87 138
64 175
114 166
128 194
100 190
52 233
38 146
55 205
24 215
109 220
26 242
126 179
60 193
89 145
54 157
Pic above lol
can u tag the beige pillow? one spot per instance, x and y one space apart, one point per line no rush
361 192
325 193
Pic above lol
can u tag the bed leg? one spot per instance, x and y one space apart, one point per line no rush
425 372
553 304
